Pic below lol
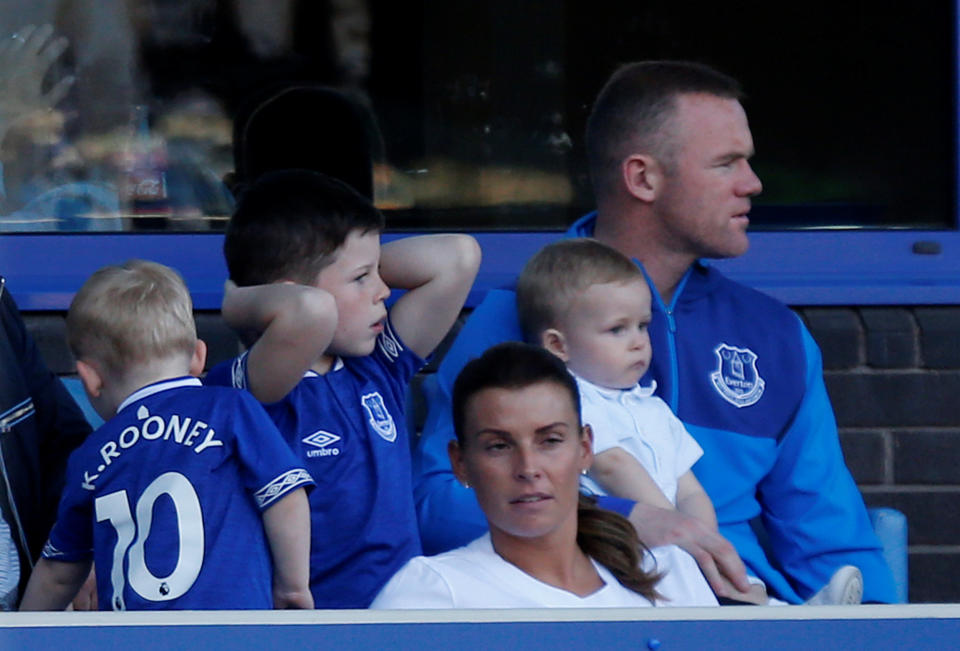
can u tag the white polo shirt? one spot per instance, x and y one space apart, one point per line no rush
643 425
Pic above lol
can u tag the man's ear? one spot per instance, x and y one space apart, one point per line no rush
456 462
642 176
91 378
198 359
554 341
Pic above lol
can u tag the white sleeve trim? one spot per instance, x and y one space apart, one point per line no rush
281 486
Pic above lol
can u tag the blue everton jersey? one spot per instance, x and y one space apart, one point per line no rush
166 497
349 429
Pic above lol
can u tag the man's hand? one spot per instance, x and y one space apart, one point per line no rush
25 58
717 558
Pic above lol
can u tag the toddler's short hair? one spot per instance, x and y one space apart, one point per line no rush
289 224
558 273
131 314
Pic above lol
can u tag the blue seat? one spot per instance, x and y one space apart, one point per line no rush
890 525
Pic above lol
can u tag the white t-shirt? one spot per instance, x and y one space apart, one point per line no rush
475 576
643 425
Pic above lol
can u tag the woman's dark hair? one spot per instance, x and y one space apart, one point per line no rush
605 536
610 539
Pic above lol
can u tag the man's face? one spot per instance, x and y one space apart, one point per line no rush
605 332
701 210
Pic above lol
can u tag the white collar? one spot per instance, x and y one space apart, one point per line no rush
164 385
337 365
615 394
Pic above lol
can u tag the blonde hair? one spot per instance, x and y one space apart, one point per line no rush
131 314
561 271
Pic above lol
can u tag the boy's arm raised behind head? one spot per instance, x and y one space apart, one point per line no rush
287 524
438 271
297 323
53 584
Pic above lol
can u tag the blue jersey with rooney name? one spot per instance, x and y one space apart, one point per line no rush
167 495
348 427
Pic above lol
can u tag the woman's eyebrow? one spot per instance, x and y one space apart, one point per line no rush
560 424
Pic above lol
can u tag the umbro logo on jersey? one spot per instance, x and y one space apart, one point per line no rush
322 440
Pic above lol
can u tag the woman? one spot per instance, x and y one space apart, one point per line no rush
521 446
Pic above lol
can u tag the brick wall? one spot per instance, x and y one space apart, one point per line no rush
894 377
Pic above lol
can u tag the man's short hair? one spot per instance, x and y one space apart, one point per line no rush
130 314
510 365
631 113
558 273
289 224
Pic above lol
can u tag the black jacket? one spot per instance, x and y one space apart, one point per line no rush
40 425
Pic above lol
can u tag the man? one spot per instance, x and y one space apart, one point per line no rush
668 148
40 425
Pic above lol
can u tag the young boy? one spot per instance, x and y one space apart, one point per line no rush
589 305
332 365
178 494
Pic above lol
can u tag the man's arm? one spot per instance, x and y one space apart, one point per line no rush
437 271
59 421
287 524
620 474
717 558
812 508
297 323
53 584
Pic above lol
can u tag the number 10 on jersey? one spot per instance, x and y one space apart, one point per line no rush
115 508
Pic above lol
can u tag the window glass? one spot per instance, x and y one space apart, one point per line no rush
472 112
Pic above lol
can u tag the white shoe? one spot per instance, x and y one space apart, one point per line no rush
845 588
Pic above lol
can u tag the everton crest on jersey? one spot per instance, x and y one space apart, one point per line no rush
378 416
736 378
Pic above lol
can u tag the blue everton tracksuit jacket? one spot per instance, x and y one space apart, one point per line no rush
745 377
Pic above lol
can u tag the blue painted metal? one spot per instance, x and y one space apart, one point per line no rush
799 268
675 635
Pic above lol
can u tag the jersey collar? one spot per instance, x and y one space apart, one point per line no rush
157 387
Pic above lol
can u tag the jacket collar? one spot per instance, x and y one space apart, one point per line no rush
696 283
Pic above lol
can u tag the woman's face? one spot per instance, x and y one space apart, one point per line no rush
523 453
